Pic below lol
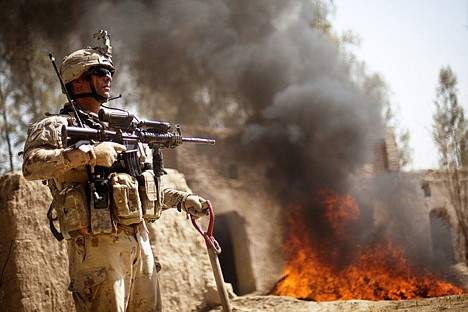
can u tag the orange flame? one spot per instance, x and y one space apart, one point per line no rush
339 210
379 272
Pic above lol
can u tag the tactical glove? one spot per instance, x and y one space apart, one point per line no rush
79 156
105 153
196 206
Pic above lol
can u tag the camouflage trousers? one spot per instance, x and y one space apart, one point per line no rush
114 272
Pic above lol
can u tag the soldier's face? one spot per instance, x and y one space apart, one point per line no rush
102 79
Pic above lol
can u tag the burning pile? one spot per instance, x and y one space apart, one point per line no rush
377 271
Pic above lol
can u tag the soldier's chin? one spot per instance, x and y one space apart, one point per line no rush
103 98
106 95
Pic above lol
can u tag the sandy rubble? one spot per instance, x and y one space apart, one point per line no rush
457 303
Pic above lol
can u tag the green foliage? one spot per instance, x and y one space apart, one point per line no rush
450 127
7 129
28 86
450 136
28 89
321 21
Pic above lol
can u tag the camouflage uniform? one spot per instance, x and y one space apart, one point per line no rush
109 271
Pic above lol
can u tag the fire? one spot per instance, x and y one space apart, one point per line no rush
376 272
339 210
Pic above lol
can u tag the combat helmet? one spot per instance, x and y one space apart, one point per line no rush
80 61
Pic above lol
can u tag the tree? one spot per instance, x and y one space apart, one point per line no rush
450 136
6 126
28 89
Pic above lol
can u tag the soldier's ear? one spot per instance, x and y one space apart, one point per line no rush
79 84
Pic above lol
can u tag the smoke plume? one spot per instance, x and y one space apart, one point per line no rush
305 118
305 115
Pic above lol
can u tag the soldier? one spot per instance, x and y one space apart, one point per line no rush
102 214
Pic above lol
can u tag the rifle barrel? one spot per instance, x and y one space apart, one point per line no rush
199 140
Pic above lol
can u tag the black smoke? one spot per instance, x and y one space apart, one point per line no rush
304 112
304 116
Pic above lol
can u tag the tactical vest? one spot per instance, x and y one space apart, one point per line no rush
109 197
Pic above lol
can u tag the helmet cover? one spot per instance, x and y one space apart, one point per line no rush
79 62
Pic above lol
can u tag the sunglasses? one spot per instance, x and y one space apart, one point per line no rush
100 71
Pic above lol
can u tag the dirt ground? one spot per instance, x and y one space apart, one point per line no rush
458 303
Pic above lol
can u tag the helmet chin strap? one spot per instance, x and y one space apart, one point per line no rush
93 94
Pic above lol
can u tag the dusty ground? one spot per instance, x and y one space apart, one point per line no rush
457 303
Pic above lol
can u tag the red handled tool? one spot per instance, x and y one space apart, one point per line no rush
213 251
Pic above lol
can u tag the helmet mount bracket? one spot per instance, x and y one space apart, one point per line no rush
105 37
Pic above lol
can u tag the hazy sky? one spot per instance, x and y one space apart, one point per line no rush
407 43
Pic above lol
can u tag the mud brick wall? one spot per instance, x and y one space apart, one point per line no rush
34 266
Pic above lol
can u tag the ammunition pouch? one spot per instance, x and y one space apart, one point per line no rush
71 206
82 211
99 207
151 199
126 206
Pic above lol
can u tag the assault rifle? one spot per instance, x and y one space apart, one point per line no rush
125 129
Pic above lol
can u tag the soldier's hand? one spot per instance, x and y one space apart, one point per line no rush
78 156
105 153
196 206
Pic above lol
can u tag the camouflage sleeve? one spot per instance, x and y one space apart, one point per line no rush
43 151
172 197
